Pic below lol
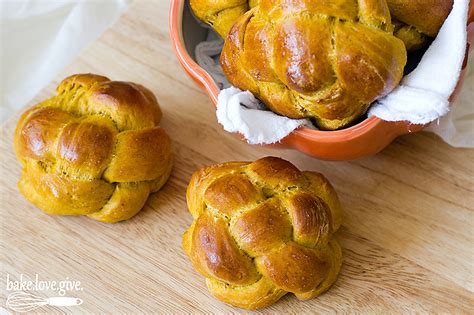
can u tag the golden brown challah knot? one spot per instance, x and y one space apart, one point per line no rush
220 14
325 60
93 149
262 230
418 19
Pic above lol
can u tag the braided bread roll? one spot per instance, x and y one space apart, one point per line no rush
324 60
94 149
261 230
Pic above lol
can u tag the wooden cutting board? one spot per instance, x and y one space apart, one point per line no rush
407 232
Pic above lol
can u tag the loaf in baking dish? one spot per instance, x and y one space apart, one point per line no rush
324 60
94 149
262 230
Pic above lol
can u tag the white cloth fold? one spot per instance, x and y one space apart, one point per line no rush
239 111
457 127
415 105
423 95
421 98
207 55
39 38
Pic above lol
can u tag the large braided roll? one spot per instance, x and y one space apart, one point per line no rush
93 149
261 230
325 60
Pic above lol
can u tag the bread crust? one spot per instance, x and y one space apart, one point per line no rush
93 149
262 230
323 60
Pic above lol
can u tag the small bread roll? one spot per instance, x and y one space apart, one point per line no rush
94 149
262 230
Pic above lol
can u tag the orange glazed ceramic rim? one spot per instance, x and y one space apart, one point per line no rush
363 139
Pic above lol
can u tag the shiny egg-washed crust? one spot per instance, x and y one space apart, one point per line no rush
324 60
93 149
414 20
262 230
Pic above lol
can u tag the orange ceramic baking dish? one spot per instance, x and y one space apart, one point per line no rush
363 139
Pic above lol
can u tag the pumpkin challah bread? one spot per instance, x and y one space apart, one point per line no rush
324 60
262 230
94 149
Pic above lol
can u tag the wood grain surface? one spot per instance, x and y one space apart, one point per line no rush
407 232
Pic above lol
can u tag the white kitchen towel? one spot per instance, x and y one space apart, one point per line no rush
457 127
207 56
422 96
39 38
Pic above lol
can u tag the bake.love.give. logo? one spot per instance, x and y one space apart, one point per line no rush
21 298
